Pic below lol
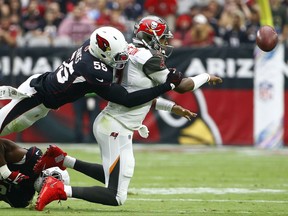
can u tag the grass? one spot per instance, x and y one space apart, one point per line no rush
175 180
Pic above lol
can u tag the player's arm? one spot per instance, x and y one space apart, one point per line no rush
156 70
118 94
195 82
170 106
10 153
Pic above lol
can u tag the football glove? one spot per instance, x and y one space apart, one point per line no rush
16 177
174 78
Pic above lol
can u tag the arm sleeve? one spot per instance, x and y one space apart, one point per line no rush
118 94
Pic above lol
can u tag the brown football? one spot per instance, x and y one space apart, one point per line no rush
266 38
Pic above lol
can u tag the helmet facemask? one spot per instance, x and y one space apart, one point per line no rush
120 60
56 172
109 45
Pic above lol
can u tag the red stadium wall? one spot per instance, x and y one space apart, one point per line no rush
225 113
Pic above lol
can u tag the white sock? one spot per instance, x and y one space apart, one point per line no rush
5 172
69 162
68 190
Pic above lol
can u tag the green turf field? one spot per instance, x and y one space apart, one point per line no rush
187 181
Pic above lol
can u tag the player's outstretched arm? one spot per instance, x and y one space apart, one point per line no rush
195 82
118 94
171 106
180 111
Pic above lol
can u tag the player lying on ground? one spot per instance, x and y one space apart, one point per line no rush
108 195
17 179
88 70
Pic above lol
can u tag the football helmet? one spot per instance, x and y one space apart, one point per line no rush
56 172
109 45
153 32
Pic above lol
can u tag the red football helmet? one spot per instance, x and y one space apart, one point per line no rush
150 30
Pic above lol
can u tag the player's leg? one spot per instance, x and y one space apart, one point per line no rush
118 163
115 143
55 156
20 114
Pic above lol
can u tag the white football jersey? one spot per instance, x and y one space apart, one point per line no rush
133 79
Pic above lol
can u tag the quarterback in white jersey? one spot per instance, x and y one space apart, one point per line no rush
114 126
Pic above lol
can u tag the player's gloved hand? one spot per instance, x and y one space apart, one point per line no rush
16 177
174 78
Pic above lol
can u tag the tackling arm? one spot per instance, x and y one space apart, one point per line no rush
118 94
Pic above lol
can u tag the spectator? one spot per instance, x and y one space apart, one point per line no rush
235 34
279 14
8 32
15 7
76 25
183 6
231 7
183 25
212 12
132 9
113 16
215 9
253 25
31 18
163 8
93 8
201 34
4 10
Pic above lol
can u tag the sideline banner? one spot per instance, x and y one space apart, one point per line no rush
225 112
269 98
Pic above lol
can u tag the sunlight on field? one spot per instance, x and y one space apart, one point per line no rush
176 180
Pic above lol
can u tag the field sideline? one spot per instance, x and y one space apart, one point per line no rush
183 180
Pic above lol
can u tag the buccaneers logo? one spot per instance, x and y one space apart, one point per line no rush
103 44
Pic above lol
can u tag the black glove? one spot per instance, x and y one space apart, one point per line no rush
174 78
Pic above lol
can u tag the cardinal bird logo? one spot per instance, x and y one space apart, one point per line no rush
103 44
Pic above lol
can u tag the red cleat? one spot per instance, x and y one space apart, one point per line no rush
54 156
53 189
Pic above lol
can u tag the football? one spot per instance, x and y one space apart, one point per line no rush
266 38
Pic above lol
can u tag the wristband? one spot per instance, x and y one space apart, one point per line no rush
199 80
163 104
5 172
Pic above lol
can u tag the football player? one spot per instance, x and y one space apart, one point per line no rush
115 125
116 179
88 70
18 181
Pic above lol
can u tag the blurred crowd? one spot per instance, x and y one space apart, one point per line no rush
195 23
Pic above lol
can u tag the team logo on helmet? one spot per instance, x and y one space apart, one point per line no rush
103 44
154 25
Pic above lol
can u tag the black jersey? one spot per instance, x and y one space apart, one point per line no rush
19 196
82 73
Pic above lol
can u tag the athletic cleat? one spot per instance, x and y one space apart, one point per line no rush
54 156
53 189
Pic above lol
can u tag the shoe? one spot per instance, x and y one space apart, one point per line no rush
54 156
52 189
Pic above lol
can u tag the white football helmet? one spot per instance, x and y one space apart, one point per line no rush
56 172
109 45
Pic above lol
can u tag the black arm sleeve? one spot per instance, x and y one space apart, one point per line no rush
118 94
